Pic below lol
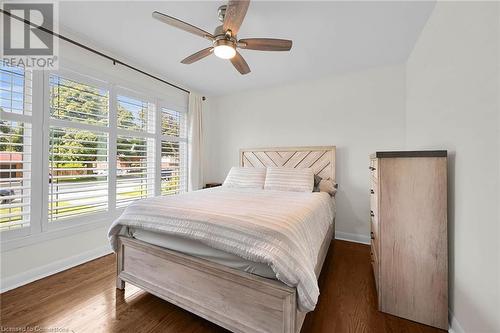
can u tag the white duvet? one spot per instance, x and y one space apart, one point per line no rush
284 230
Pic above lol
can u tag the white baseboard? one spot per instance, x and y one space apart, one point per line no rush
356 238
37 273
454 324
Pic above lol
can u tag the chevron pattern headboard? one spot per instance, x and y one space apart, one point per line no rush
321 159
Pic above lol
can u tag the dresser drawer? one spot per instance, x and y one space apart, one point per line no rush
374 234
374 261
374 212
374 168
374 198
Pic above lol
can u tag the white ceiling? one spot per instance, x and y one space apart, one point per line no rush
328 38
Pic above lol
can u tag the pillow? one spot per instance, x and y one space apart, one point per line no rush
317 179
245 177
287 179
328 186
324 185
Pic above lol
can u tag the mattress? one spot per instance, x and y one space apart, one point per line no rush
200 250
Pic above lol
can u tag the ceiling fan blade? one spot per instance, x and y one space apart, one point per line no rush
235 13
240 64
198 55
182 25
265 44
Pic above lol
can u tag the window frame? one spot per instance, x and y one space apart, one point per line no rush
40 229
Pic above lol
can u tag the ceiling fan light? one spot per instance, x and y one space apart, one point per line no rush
224 51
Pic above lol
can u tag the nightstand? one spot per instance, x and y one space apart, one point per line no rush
209 185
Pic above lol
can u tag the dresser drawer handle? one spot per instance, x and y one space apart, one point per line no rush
372 191
372 214
371 168
372 236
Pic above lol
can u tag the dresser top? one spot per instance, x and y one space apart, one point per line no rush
410 153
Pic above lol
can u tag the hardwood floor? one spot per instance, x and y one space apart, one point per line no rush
84 299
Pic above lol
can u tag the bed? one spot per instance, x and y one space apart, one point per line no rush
249 292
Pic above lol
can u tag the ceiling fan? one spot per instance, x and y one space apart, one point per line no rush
224 39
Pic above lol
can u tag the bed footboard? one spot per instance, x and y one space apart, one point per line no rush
238 301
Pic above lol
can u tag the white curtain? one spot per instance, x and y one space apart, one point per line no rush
195 137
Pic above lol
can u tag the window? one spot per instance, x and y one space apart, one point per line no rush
135 150
173 123
173 152
15 164
78 102
84 151
134 114
78 172
135 169
15 87
78 149
15 147
173 175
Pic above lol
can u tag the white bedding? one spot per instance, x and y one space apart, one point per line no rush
281 229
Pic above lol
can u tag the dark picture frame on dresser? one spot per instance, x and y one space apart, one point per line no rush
210 185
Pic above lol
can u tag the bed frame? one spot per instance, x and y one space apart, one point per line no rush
238 301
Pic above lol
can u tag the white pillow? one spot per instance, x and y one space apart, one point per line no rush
245 177
287 179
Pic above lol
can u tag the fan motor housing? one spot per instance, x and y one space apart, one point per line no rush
224 41
219 33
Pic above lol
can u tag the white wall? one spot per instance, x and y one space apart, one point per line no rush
359 113
48 256
453 103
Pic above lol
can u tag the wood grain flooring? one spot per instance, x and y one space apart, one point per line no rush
84 299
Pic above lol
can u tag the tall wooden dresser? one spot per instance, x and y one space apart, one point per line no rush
409 239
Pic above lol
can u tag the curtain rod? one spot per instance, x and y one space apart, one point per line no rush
88 48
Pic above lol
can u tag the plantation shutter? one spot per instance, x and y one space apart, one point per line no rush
15 147
78 172
135 162
173 152
78 149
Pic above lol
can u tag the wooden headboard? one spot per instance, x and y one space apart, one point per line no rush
321 159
